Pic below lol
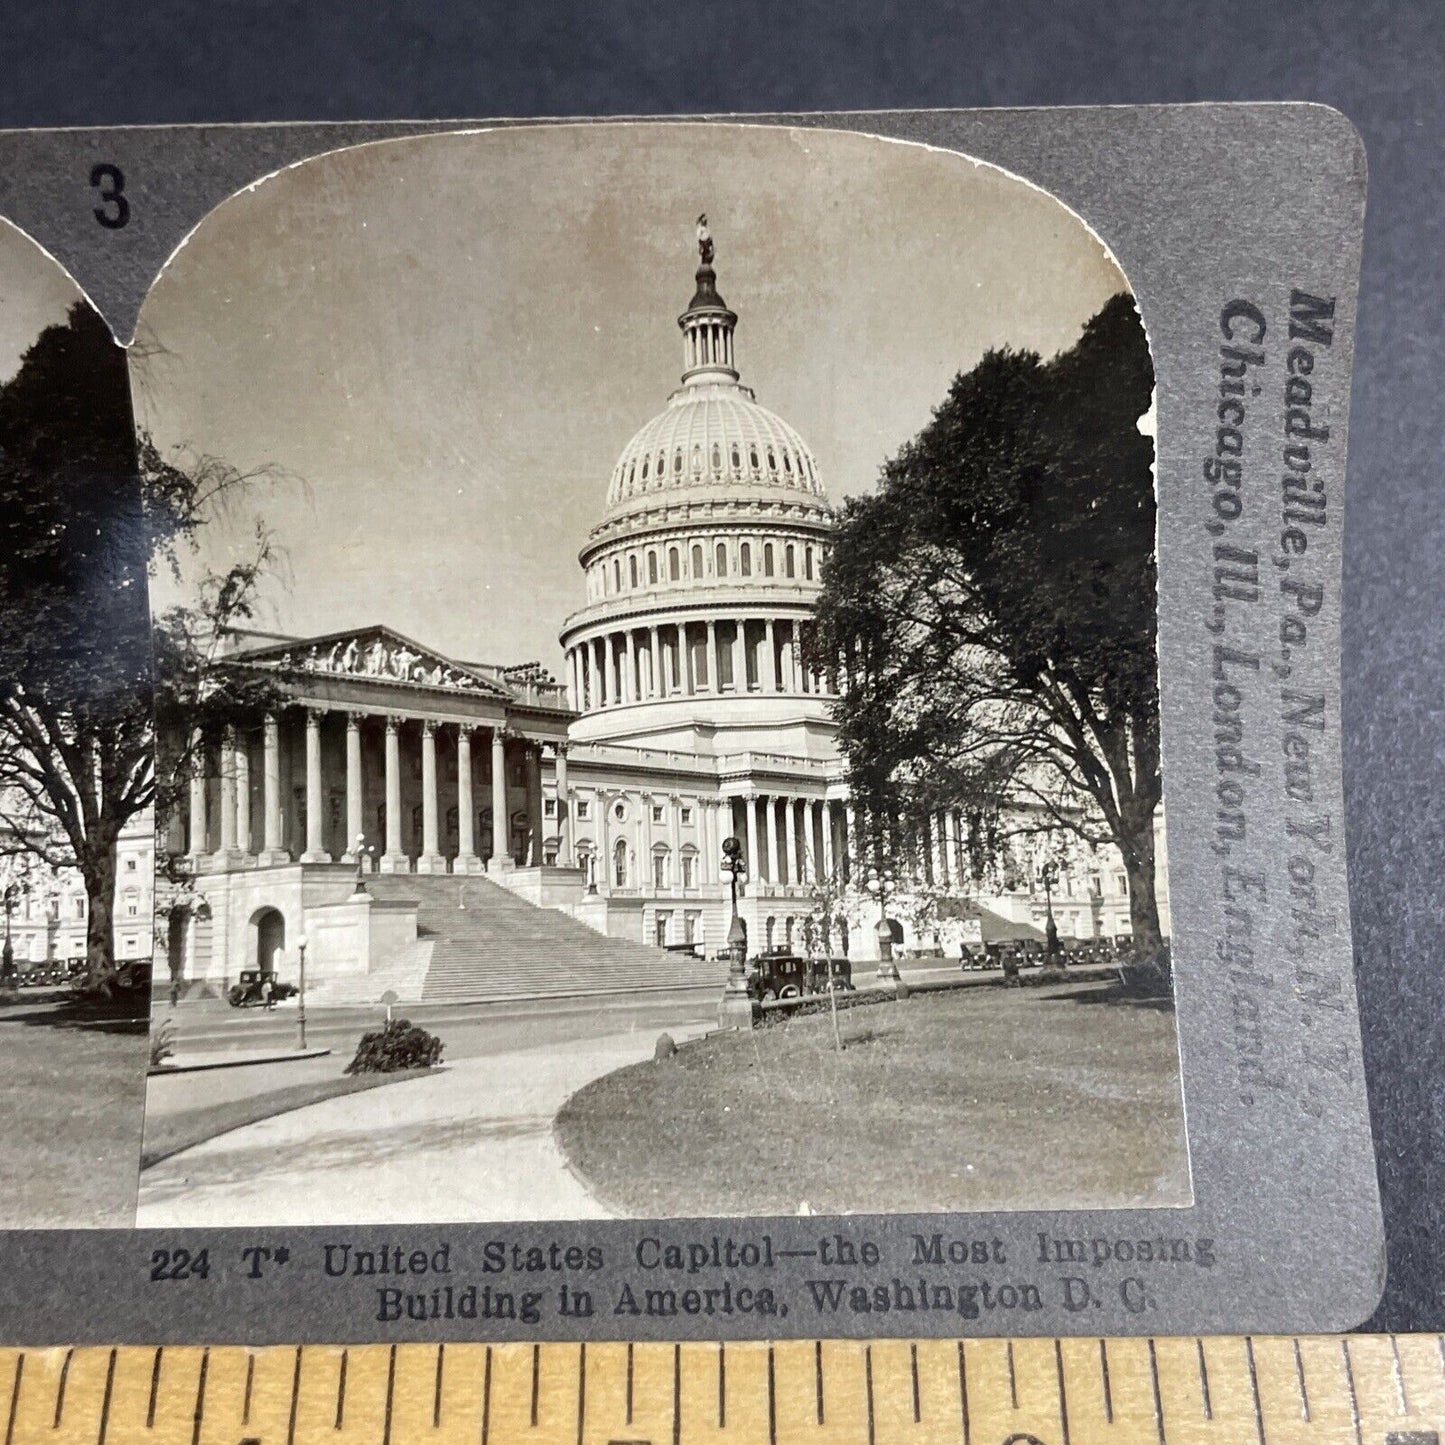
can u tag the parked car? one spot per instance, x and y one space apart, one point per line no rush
251 989
780 973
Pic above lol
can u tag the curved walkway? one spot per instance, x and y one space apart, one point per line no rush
470 1143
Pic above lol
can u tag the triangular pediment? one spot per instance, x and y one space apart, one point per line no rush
378 654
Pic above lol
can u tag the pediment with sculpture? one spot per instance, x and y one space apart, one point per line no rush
378 654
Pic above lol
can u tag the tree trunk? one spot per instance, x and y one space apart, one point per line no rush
98 870
1138 853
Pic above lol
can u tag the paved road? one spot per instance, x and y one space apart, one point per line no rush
472 1142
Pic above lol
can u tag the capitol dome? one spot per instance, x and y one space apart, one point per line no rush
712 436
704 569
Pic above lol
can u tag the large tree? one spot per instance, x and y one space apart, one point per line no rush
993 607
85 510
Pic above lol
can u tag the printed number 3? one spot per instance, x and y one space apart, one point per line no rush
114 209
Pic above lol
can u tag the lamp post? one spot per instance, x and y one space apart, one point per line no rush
880 884
7 955
362 853
1048 875
737 1009
301 995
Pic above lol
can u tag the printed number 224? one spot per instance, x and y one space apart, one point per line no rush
180 1264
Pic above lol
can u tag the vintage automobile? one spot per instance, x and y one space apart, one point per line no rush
781 973
249 991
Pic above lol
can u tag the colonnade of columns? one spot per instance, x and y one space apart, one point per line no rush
238 838
801 841
757 655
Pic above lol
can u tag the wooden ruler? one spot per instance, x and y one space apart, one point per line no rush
1356 1390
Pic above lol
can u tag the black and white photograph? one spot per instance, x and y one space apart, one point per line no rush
657 699
76 757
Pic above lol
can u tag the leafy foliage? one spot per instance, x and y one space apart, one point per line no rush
84 512
398 1045
993 605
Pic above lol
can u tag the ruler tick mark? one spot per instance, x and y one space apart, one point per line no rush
581 1389
868 1381
963 1394
818 1376
199 1413
772 1401
722 1386
1104 1376
105 1402
913 1366
1254 1387
341 1390
676 1394
1299 1374
250 1380
390 1395
1354 1398
1400 1395
487 1395
436 1399
629 1384
295 1398
1158 1398
60 1390
155 1386
1063 1401
536 1380
1013 1384
14 1399
1204 1380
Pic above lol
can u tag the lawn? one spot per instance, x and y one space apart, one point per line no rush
74 1098
987 1098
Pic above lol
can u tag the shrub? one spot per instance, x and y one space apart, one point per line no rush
396 1046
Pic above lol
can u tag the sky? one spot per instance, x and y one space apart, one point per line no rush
435 349
35 292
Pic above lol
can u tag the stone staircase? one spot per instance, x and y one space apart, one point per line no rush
404 976
499 946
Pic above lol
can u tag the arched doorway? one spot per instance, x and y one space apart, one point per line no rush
270 928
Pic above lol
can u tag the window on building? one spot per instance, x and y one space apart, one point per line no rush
788 564
549 853
616 575
767 559
130 865
657 813
659 870
689 927
808 564
674 566
686 816
549 807
659 929
697 561
584 809
80 907
745 560
132 904
632 568
689 871
651 567
619 863
722 560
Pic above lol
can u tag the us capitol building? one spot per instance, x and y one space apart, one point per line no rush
515 835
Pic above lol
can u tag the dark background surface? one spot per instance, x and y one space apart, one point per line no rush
1382 64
